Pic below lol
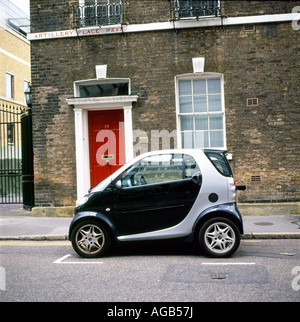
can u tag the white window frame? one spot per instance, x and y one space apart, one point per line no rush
104 81
179 114
9 89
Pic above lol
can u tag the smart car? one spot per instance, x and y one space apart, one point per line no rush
162 195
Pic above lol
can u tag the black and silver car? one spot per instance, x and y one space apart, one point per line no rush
162 195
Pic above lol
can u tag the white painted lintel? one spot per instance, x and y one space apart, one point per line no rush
168 25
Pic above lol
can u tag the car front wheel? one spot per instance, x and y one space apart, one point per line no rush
219 237
90 239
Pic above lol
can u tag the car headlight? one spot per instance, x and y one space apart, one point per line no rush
81 201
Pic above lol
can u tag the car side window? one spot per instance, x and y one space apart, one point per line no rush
154 169
220 163
191 166
159 169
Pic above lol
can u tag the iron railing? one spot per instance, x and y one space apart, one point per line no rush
10 154
105 12
16 155
185 9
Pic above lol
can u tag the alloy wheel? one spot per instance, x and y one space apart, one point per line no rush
219 237
90 239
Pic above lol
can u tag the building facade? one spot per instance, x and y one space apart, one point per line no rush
15 74
14 53
112 79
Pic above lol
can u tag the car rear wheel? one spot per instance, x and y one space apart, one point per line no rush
90 239
219 237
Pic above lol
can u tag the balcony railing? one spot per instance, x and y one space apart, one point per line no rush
185 9
101 14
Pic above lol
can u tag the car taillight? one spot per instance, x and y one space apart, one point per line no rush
235 195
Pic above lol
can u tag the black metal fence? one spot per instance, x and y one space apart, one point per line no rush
11 153
186 9
103 13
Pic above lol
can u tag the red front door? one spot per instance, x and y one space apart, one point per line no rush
106 143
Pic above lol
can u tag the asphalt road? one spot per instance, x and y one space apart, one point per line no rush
261 270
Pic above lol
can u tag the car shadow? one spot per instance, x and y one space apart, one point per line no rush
155 248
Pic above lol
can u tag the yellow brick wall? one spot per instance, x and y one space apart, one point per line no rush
16 63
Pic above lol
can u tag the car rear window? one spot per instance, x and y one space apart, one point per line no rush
220 162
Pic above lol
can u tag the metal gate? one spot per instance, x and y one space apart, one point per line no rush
15 144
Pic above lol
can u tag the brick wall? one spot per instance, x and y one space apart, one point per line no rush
20 70
264 138
259 7
147 11
53 124
262 63
50 15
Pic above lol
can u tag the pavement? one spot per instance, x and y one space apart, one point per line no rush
17 223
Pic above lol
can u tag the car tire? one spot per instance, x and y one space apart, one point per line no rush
90 239
219 237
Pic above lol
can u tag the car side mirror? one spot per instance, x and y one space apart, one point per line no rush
118 184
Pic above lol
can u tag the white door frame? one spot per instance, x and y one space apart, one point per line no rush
81 108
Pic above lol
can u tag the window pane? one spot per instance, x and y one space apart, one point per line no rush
220 163
201 98
191 166
161 168
185 87
187 140
200 86
216 139
9 86
186 122
154 169
216 121
214 85
200 104
186 105
201 122
100 90
11 133
214 103
26 84
202 139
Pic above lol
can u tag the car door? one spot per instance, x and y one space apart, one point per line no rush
155 193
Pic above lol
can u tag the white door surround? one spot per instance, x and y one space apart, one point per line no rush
81 108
